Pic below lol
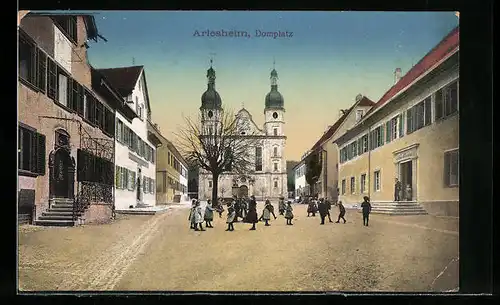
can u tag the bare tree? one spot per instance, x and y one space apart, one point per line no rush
313 170
217 145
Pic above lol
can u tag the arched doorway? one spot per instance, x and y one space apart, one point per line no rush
243 191
62 174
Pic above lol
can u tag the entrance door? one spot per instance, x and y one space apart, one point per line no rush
63 174
406 178
243 191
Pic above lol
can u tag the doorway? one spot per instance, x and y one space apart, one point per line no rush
243 191
62 174
406 178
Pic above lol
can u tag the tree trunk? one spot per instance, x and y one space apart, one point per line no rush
215 188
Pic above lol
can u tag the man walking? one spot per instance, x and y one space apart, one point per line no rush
322 209
367 208
342 212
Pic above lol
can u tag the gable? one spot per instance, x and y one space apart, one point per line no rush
246 124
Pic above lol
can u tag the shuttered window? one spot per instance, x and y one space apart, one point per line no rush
41 70
451 168
51 79
91 168
31 151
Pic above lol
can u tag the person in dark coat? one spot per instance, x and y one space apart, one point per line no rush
342 212
209 214
397 190
322 209
328 208
289 213
244 208
281 206
252 212
312 208
367 208
191 215
237 208
231 214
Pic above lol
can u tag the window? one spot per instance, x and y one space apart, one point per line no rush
92 168
119 130
353 185
99 114
68 24
376 181
343 187
210 183
275 151
51 79
62 96
117 176
27 60
89 107
275 183
418 116
362 184
451 168
275 168
275 131
359 114
74 94
145 185
395 127
81 101
109 121
446 101
377 137
131 180
258 159
410 119
31 151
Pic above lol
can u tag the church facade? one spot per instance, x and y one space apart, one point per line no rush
267 179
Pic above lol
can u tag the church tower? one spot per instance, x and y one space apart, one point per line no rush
211 104
274 110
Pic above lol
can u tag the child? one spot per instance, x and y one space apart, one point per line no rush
191 215
281 206
289 213
266 213
209 214
342 212
231 214
198 217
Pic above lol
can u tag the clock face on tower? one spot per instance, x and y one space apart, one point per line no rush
275 115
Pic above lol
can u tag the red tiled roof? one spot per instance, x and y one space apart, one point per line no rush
123 79
331 131
439 52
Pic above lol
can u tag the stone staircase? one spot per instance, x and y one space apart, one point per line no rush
397 208
59 214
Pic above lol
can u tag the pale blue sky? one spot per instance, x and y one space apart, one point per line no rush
331 57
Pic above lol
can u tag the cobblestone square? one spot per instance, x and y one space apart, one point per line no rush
160 252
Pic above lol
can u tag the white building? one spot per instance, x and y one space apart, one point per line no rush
300 179
268 179
183 180
135 169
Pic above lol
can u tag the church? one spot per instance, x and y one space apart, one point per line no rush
268 178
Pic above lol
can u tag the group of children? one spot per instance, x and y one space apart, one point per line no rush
248 212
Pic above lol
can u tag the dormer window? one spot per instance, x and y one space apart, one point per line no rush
275 131
359 114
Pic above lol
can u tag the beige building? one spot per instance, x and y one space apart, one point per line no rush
410 134
327 184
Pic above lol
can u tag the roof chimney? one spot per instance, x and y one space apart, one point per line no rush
397 75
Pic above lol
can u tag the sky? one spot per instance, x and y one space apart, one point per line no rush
329 59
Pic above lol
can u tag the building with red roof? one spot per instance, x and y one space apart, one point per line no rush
410 134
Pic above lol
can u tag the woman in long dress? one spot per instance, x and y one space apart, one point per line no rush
289 213
198 217
209 214
231 214
252 212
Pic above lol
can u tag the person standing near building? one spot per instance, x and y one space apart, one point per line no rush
252 212
312 208
342 212
231 214
397 190
209 214
289 213
266 212
367 208
198 217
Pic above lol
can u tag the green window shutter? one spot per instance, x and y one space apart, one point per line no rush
446 169
117 177
381 135
40 154
388 132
